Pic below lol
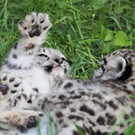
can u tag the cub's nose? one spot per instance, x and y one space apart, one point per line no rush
35 31
58 60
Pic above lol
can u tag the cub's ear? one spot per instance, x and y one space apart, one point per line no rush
116 68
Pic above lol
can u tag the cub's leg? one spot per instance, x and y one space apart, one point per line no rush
9 84
22 120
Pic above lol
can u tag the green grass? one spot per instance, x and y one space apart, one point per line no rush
84 30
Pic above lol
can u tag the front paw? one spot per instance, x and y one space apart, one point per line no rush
29 121
22 120
35 26
9 84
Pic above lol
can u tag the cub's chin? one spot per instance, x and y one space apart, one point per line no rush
58 72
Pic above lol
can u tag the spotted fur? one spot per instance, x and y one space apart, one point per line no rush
94 105
97 105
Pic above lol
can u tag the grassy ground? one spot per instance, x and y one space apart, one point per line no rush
84 30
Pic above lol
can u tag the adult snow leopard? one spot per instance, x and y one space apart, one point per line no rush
98 106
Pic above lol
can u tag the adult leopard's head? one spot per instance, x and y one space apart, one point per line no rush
53 62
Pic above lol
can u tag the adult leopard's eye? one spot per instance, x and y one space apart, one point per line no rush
43 55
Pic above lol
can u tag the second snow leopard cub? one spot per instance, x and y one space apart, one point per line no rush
16 106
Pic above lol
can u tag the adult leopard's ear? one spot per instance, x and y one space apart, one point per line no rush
123 69
114 68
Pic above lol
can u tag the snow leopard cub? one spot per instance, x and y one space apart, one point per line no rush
25 65
17 108
20 61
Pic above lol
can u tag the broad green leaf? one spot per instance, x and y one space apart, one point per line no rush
109 35
106 34
121 39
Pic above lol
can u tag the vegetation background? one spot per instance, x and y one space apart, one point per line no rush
84 30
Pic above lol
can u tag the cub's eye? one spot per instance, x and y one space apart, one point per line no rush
43 55
63 59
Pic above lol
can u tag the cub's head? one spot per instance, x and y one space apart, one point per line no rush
53 62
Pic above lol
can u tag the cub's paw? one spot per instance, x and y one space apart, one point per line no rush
23 120
35 26
26 120
9 84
